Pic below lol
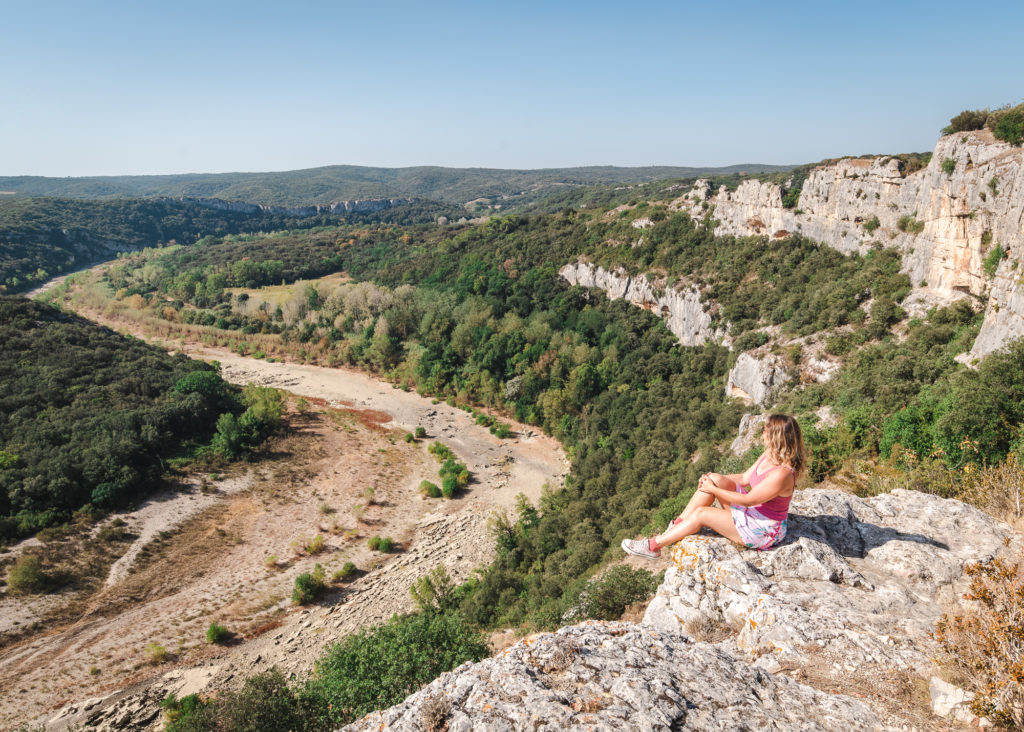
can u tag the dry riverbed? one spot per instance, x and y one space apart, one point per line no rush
203 553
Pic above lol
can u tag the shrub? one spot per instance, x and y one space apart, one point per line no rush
948 166
347 571
409 437
218 634
315 545
607 597
156 653
449 486
26 576
309 586
871 224
992 260
993 185
910 225
1009 125
380 667
984 644
430 490
420 433
381 544
967 121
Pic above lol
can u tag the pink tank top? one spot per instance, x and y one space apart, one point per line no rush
777 508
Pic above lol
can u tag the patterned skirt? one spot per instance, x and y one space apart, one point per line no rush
757 531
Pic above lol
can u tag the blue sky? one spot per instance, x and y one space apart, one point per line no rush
109 88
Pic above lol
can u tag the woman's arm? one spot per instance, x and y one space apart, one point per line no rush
765 491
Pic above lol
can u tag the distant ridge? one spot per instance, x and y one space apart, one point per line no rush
349 182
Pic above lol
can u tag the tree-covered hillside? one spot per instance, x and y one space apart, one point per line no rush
348 182
90 416
44 237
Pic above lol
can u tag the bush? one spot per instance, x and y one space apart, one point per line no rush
409 437
1009 125
156 653
380 667
218 634
309 586
910 225
992 260
948 166
430 490
316 545
607 597
420 433
449 486
966 121
984 644
26 576
265 702
381 544
347 571
871 224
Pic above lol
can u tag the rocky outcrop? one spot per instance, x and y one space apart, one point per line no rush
748 434
857 585
963 214
849 599
755 380
338 207
617 676
680 307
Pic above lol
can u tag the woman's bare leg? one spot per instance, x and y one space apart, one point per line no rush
717 519
700 499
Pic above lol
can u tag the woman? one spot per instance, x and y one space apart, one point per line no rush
756 519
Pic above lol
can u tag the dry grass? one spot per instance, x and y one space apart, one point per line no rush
901 698
984 643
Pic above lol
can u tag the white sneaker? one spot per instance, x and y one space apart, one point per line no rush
640 548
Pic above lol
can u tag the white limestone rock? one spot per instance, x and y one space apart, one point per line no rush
861 581
964 213
680 306
748 434
754 380
619 676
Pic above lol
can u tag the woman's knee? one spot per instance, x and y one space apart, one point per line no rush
723 482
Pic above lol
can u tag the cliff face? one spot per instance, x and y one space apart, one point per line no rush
680 307
964 215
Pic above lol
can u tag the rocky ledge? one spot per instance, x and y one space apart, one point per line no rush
849 601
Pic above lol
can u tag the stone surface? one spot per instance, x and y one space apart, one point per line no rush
950 701
754 380
749 433
859 582
963 216
679 306
619 676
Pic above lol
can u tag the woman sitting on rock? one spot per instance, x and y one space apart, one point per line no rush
756 518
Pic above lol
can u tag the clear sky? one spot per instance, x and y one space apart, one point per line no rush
132 87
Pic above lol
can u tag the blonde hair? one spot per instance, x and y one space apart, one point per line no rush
784 443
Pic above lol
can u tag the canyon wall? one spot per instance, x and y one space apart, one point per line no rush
680 307
962 215
338 207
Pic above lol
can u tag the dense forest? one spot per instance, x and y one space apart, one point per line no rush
43 237
88 416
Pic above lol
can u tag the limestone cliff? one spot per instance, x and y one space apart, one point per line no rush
680 306
849 601
964 213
